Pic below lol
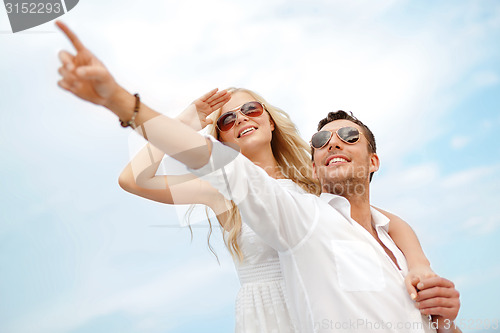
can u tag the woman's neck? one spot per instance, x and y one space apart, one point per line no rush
264 158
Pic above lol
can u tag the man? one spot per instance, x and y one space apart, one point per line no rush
346 169
342 270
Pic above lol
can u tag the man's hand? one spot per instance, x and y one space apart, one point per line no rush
438 297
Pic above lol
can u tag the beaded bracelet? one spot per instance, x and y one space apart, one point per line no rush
131 122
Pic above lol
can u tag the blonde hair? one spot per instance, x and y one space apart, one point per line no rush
292 155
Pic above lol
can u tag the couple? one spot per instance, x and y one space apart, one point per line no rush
322 263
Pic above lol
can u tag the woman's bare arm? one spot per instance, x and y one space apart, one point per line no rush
139 178
86 77
407 241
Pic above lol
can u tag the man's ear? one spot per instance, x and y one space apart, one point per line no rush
315 175
374 162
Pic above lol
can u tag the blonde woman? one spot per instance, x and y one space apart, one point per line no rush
261 302
262 133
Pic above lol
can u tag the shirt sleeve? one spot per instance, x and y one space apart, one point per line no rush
281 217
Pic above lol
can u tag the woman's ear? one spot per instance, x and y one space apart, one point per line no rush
271 122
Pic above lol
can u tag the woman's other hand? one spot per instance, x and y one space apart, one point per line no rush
83 74
196 114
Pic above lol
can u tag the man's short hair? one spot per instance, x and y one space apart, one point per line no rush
337 115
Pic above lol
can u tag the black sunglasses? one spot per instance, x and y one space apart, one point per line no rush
348 134
250 109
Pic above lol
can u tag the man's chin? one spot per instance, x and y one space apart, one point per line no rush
335 174
347 187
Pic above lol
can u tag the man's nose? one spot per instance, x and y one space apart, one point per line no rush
334 143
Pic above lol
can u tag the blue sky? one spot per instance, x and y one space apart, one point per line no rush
78 254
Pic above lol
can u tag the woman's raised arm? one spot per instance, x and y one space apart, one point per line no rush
87 77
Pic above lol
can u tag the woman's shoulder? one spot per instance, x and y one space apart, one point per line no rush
290 185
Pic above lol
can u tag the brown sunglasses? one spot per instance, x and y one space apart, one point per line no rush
250 109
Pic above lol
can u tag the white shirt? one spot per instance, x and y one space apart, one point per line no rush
337 276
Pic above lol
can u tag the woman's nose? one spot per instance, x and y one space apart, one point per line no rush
240 117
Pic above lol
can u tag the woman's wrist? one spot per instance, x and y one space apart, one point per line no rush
121 103
190 118
418 264
417 261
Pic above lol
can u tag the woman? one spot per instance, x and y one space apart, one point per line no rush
264 134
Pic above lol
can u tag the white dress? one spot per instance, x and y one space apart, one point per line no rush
261 304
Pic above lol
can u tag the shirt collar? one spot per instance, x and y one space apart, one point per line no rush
339 203
344 207
379 219
333 199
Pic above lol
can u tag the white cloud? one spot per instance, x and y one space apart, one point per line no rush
482 225
459 142
444 207
167 294
469 177
484 79
484 276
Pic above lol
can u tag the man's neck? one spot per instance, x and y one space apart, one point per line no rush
360 211
360 204
358 195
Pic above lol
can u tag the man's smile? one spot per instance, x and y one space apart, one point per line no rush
336 159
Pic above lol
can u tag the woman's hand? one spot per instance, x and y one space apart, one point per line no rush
196 114
415 275
83 74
